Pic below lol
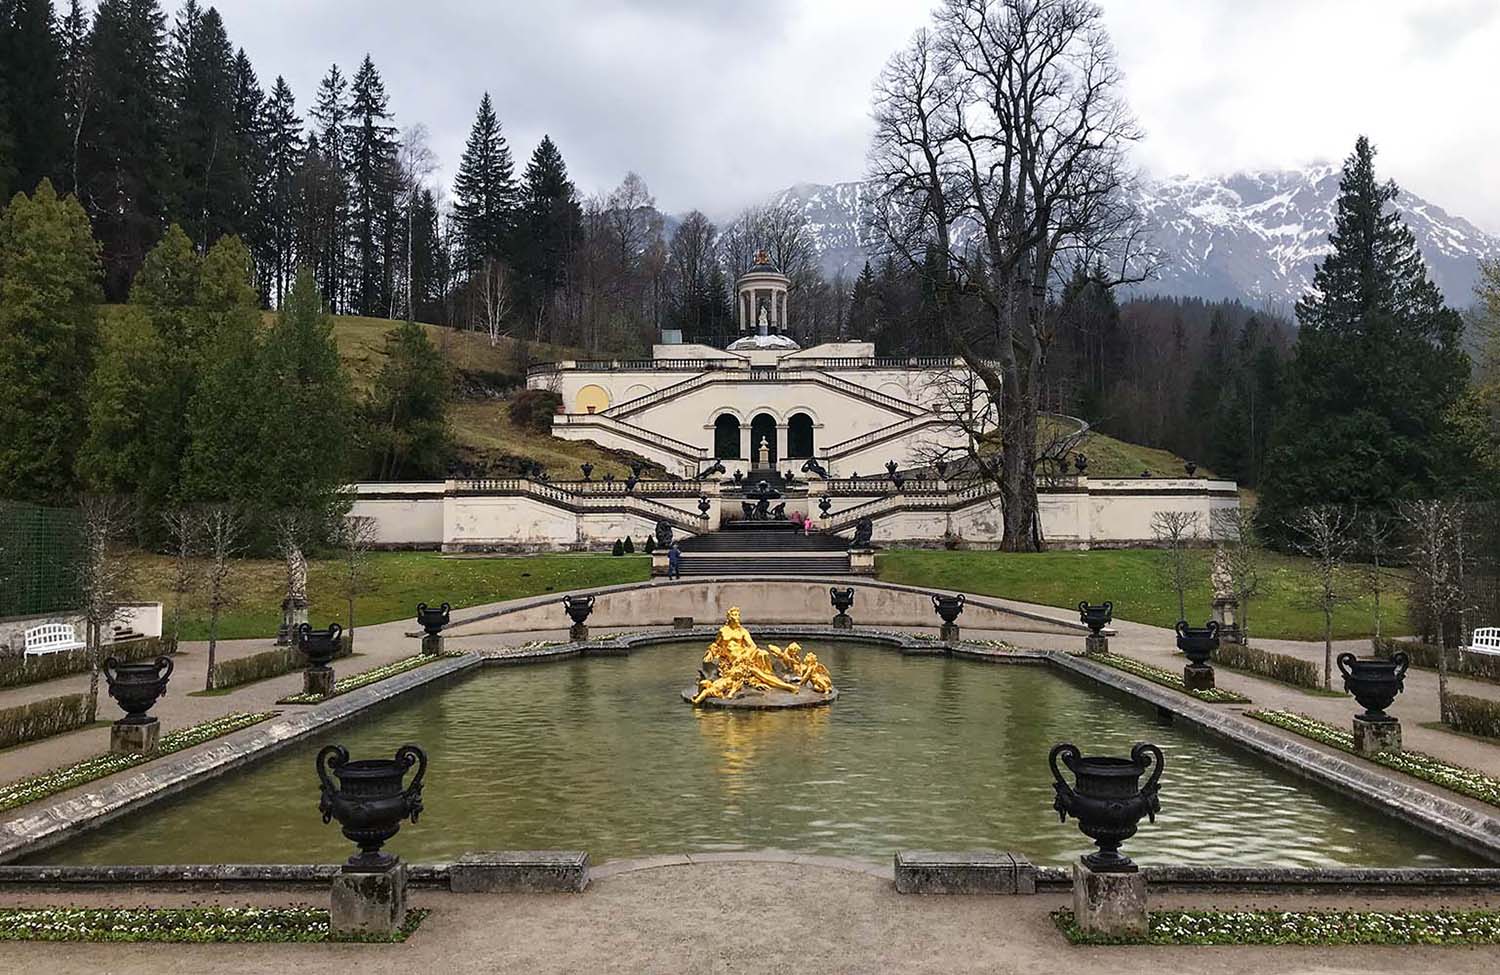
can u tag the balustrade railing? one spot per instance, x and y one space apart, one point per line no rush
593 498
630 430
884 433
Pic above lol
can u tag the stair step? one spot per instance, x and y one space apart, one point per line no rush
756 563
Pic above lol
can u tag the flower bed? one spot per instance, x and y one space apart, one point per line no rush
36 787
210 925
1465 781
1166 678
1303 928
365 678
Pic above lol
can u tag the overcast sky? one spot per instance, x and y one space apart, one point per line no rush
718 104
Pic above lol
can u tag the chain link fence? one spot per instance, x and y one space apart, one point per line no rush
40 552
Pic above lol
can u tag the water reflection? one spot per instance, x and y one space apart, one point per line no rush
917 753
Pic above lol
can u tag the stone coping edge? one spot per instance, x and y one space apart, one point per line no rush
1465 826
37 830
1403 879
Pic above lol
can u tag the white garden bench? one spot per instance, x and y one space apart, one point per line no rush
51 638
1485 640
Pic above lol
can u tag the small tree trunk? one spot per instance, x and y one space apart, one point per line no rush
1327 647
213 643
351 624
1442 673
91 638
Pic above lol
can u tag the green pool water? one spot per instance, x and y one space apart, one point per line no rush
918 753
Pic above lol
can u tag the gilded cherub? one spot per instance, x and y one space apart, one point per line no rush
814 674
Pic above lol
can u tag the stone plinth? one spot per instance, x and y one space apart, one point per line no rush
980 872
949 633
1109 903
682 622
317 681
659 562
758 700
1375 737
578 632
293 615
1096 643
843 621
432 643
520 872
862 561
1196 678
368 903
1227 615
134 739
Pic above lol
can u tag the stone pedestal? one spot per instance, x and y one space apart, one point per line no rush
862 561
1109 903
1227 615
1096 643
134 739
432 643
843 621
578 632
948 633
368 903
293 615
682 622
659 562
317 681
1375 737
1196 678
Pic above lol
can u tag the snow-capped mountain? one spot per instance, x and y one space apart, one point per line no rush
1254 236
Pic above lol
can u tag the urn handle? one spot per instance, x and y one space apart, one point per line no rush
1138 755
1109 609
407 756
1346 661
112 669
163 668
335 756
1182 629
1070 754
936 600
1402 661
1083 607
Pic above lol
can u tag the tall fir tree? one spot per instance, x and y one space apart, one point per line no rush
371 143
283 158
252 221
211 186
864 315
484 192
31 79
327 211
77 75
1376 367
123 174
49 293
552 227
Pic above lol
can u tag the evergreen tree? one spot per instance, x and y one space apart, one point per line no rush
484 191
428 259
126 410
210 188
250 196
124 175
49 273
551 228
864 313
1375 369
77 81
325 193
406 432
283 159
31 87
371 144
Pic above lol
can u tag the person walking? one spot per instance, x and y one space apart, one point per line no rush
674 562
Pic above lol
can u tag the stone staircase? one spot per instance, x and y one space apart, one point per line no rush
745 548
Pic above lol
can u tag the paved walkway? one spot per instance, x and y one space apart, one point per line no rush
732 917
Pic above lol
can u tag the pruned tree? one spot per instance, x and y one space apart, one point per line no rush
182 533
223 529
1433 527
1376 531
1238 535
1175 532
356 535
104 574
1324 533
1000 157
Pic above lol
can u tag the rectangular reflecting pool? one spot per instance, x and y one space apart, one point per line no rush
602 754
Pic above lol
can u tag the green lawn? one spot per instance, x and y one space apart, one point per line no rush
396 582
1130 578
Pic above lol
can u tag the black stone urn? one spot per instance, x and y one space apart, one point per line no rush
319 646
432 620
825 504
941 466
841 599
369 802
578 607
1373 682
588 470
1107 799
1198 644
703 505
1096 617
1080 463
948 607
1191 468
137 686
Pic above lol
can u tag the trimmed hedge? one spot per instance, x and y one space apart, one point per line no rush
268 663
18 671
1277 666
43 719
1481 666
1473 715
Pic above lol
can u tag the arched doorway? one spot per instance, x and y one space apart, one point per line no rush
799 436
763 427
727 437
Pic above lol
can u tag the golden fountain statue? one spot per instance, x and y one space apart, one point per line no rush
737 673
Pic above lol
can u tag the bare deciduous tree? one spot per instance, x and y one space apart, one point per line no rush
1376 532
1433 528
1324 533
182 532
355 535
1175 532
493 299
223 528
1238 534
415 162
104 574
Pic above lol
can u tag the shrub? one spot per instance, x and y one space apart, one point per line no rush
629 545
1478 665
43 719
1473 715
619 548
650 545
532 409
1277 666
268 663
18 671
